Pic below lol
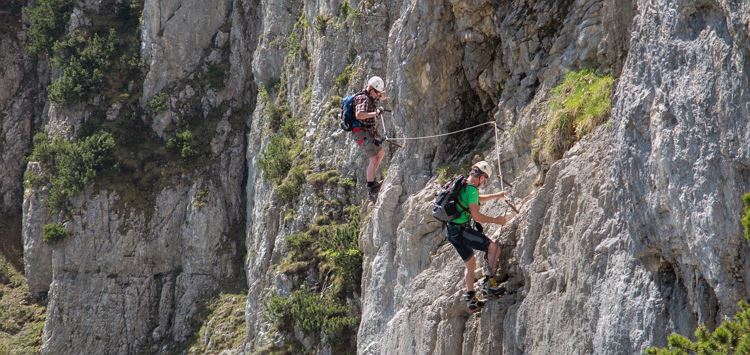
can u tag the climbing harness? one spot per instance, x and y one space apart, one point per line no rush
497 146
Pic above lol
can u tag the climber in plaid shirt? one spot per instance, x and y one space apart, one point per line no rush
367 137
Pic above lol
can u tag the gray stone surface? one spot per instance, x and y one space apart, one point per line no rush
37 254
134 280
633 234
175 35
19 105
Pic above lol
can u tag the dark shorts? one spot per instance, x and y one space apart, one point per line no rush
367 142
466 240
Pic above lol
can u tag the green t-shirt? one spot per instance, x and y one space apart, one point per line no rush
468 195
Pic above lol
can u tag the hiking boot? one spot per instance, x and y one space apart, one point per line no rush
490 287
373 191
472 303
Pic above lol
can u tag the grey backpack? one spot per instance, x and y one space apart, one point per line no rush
446 206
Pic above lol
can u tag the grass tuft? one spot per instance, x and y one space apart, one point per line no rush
224 328
21 318
578 105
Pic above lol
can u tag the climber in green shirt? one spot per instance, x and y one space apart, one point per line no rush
466 239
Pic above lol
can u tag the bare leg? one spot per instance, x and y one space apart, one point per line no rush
380 156
493 254
372 168
470 265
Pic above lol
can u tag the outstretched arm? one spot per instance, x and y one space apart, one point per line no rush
362 115
490 197
483 218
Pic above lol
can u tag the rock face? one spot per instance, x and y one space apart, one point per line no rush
20 85
136 272
175 35
633 234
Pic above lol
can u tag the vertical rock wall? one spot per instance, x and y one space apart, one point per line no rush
631 235
137 271
20 83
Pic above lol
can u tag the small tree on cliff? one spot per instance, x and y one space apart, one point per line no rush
731 337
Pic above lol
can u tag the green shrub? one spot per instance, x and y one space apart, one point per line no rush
322 220
289 215
70 166
746 216
324 310
47 21
283 161
349 13
343 79
339 248
348 183
277 115
263 96
200 198
300 246
306 96
312 313
335 247
333 107
293 45
731 337
322 22
335 102
53 232
290 187
224 327
277 311
444 173
302 23
276 160
84 60
158 103
329 177
32 180
183 143
579 104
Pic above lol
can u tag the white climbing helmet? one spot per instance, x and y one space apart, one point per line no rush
484 167
377 83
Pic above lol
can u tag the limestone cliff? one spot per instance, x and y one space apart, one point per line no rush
228 173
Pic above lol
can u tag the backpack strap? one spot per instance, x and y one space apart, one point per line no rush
354 121
458 200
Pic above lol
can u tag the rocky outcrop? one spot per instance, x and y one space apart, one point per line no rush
20 108
138 269
681 123
528 61
176 37
143 279
625 240
631 235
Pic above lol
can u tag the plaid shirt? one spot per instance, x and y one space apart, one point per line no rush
364 103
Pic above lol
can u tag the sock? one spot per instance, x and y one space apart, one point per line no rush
370 183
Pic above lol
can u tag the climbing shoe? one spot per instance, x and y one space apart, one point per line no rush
491 288
472 303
